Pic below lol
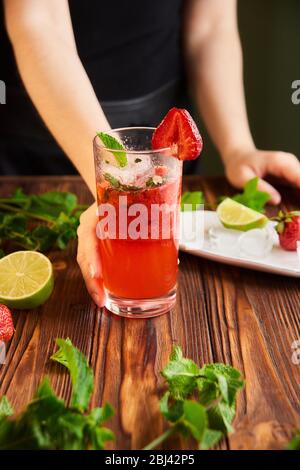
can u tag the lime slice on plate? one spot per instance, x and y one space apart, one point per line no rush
236 216
26 279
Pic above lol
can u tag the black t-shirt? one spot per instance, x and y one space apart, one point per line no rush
128 48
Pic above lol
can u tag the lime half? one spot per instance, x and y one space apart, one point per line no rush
236 216
26 279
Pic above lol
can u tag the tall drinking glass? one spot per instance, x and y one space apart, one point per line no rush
138 192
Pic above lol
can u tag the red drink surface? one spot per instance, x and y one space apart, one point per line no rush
142 268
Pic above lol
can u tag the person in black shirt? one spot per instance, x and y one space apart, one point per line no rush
75 67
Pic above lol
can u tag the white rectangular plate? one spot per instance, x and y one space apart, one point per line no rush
278 261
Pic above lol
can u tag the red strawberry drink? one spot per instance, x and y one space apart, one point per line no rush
138 192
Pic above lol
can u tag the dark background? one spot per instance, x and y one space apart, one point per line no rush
270 34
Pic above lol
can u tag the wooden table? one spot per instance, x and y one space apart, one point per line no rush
223 314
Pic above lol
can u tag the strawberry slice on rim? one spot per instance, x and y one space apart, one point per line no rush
178 131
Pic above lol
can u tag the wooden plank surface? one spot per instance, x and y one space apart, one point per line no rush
240 317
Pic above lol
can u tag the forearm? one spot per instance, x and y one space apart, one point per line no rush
217 82
62 93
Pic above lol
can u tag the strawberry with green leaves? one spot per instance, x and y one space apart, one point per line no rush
288 229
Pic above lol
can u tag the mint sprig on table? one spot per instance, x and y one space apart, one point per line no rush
48 422
200 402
113 144
80 373
39 222
250 197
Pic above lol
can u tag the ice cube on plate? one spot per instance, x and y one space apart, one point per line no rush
223 239
257 243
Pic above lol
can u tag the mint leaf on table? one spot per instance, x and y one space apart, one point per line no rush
43 238
39 222
47 205
53 203
171 409
252 197
28 429
219 384
98 416
181 374
221 416
199 402
195 419
226 379
294 444
48 423
210 438
20 195
81 374
113 144
99 435
190 201
66 228
5 408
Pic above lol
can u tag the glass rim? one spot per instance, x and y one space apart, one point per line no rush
133 152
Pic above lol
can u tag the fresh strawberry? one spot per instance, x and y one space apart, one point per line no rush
6 324
288 228
179 132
